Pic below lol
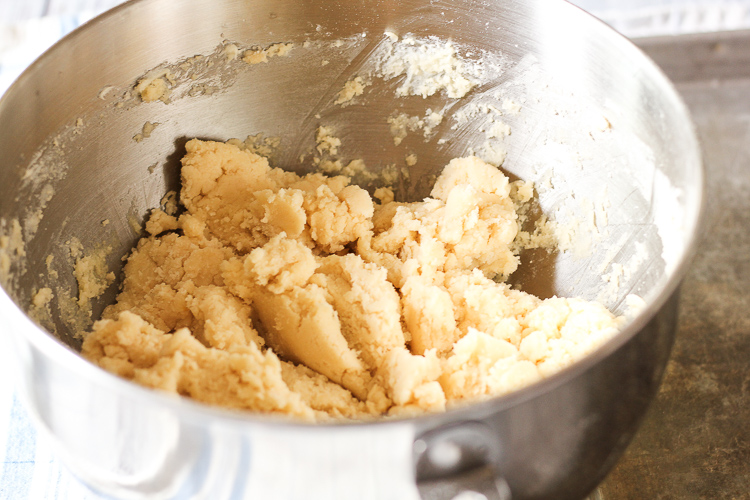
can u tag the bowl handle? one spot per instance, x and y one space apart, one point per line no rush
458 462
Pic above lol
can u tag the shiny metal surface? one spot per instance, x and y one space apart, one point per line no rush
69 121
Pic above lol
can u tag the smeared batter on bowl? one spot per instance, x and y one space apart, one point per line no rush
301 295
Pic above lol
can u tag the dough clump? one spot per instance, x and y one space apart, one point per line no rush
301 296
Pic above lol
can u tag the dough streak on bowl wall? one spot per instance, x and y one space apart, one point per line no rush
312 296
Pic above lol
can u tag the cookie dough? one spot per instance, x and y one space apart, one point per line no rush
300 295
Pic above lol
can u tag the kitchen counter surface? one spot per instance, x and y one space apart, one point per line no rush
695 439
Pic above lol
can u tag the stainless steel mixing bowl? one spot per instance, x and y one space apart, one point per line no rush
600 131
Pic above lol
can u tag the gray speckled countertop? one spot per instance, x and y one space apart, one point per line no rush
695 439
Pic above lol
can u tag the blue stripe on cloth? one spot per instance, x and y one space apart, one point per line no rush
69 23
243 469
197 477
20 450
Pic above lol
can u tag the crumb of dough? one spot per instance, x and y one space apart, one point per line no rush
326 141
258 144
40 309
301 296
542 236
5 263
145 132
390 174
330 166
134 224
384 195
231 51
327 147
51 272
401 124
152 89
161 221
169 202
258 55
355 168
33 220
12 247
511 107
92 274
353 88
411 160
521 191
279 49
13 241
431 120
41 298
255 56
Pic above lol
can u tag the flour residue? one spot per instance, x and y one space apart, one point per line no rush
426 66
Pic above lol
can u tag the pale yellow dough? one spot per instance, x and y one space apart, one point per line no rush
302 296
